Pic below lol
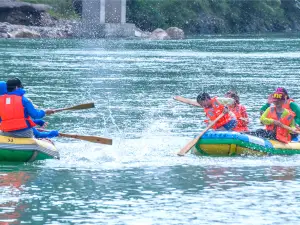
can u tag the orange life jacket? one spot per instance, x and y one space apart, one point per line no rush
286 105
282 134
12 114
241 124
213 112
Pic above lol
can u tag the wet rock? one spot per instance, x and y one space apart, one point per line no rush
141 34
15 12
4 35
63 30
159 34
47 21
24 33
175 33
4 27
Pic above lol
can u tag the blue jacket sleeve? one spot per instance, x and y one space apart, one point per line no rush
39 122
31 111
50 134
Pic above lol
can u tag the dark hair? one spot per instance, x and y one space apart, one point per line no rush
202 97
281 89
234 95
13 83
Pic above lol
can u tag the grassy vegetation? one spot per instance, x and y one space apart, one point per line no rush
60 8
198 16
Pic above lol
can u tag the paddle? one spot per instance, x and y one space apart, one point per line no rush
187 148
77 107
95 139
290 129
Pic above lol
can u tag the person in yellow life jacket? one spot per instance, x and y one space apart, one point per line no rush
17 112
276 116
213 107
239 111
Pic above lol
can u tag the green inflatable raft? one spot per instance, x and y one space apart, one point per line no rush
26 149
225 143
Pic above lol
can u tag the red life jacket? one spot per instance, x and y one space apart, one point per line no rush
282 134
213 112
12 114
241 124
287 104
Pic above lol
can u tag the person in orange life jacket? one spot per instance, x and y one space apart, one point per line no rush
213 107
37 134
276 116
239 112
289 104
16 111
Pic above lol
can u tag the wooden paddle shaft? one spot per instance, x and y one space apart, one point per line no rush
95 139
290 129
77 107
187 148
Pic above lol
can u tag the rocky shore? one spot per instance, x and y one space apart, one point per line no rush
64 30
26 20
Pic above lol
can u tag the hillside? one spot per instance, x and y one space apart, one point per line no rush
203 16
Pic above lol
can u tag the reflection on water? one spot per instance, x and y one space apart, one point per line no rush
148 195
12 183
140 180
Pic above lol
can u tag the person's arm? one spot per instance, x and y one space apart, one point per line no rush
45 134
39 122
296 109
244 115
35 106
264 119
187 100
264 108
32 112
225 101
293 125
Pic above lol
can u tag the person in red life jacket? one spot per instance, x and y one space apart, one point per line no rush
276 116
213 107
239 112
16 111
289 104
41 123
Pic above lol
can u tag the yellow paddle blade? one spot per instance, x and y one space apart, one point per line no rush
189 145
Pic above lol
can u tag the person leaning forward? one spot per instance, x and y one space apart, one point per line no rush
213 107
17 112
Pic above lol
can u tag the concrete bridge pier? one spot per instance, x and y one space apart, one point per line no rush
105 18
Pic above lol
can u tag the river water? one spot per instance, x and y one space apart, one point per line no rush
140 180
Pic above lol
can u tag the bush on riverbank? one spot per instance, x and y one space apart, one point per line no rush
216 16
